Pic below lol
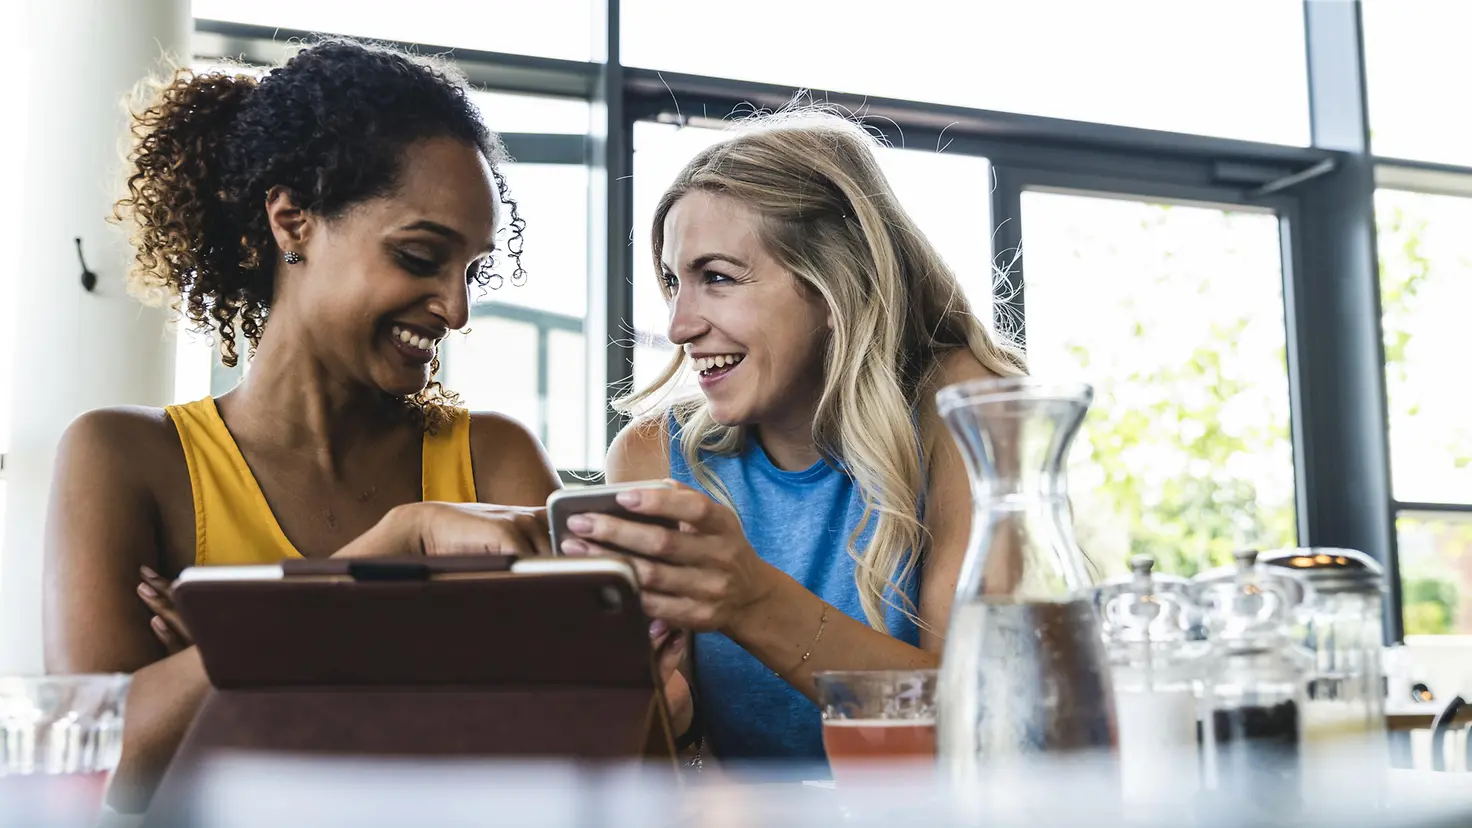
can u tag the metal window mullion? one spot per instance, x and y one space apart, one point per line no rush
1336 324
1431 508
614 153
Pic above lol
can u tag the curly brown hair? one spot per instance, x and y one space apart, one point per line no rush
331 126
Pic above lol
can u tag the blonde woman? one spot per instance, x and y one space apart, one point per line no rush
824 508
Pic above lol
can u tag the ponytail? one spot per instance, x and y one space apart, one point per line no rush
186 236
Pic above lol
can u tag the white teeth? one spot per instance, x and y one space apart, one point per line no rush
411 339
704 364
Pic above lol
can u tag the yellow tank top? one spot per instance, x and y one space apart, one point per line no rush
233 524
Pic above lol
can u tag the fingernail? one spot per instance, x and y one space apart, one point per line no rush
629 498
679 645
147 591
158 624
578 523
658 628
574 547
147 572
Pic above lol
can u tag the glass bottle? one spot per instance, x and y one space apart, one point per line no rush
1024 671
1157 673
1341 623
1253 700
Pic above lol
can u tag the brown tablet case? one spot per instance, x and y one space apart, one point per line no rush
423 657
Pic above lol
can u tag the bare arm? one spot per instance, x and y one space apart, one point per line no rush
511 466
102 526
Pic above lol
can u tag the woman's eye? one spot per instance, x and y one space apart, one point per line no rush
715 277
670 282
418 266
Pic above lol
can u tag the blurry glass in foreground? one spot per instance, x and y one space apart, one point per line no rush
254 790
60 739
877 720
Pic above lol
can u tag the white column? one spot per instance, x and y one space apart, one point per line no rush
73 350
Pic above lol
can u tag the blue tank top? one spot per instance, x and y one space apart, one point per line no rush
800 522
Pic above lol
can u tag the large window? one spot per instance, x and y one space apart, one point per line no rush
947 195
1156 262
1175 314
1416 55
524 354
1425 290
1159 64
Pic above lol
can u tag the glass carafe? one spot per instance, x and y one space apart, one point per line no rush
1024 674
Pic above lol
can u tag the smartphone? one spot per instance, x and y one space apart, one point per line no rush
565 503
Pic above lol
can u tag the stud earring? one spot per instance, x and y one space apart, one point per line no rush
292 257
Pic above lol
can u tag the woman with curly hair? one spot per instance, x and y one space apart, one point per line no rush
336 215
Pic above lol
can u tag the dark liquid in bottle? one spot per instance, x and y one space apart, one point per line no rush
1256 755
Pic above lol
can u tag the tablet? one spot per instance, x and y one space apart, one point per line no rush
485 620
476 657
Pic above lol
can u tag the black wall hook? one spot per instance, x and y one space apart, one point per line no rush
89 279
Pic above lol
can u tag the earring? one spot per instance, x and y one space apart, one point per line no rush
292 257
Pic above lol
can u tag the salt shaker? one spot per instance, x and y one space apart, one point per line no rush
1157 674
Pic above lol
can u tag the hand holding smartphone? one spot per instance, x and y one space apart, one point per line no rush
565 503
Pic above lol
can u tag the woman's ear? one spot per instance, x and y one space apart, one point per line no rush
291 226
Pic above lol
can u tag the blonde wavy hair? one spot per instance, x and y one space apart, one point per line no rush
829 216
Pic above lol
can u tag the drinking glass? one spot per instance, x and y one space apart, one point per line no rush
60 739
877 720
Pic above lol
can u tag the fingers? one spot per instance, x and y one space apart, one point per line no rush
173 642
680 503
155 580
640 538
167 625
164 614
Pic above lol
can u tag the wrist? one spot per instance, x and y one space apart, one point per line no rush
767 588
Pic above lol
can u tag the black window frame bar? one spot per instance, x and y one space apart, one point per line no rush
1331 294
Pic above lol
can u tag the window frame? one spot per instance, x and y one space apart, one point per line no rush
1323 195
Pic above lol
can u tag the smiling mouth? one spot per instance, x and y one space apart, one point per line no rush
415 347
714 367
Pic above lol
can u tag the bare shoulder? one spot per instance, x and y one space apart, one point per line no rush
125 439
511 466
960 365
641 451
953 366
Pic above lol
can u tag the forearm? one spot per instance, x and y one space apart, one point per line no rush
781 627
162 701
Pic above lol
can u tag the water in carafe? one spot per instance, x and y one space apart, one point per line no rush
1024 671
